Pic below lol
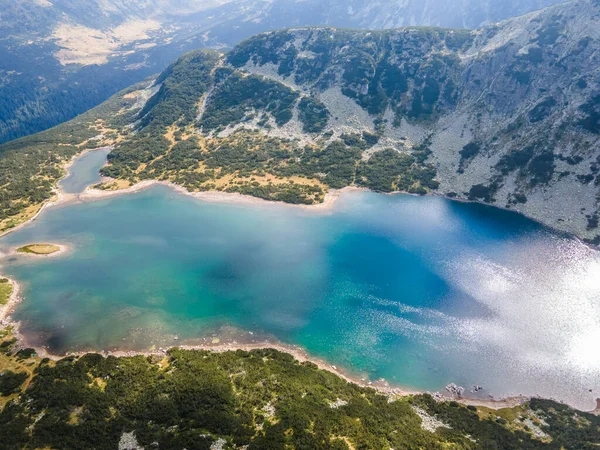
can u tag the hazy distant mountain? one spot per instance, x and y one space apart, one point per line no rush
380 14
59 58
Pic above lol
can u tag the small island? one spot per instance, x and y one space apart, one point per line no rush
40 249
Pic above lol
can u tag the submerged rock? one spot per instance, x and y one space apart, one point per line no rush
455 389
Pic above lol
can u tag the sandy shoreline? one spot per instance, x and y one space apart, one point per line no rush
299 353
217 196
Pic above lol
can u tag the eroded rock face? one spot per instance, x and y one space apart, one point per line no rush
128 441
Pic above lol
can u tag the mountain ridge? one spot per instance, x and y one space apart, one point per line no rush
481 115
501 136
59 58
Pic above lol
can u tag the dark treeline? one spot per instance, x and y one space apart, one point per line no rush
261 399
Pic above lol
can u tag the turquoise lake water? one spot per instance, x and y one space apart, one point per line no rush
421 291
84 171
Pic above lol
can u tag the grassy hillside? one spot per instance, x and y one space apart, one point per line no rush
205 130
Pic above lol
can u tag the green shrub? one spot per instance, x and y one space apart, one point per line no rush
238 95
11 382
313 114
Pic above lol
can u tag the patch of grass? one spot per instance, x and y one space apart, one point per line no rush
6 290
18 371
39 249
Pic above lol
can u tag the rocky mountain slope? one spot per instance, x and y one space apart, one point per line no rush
508 115
59 58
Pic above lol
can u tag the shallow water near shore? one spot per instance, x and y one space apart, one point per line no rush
84 171
421 291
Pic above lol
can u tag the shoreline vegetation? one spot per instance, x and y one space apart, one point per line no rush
6 290
91 194
250 398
